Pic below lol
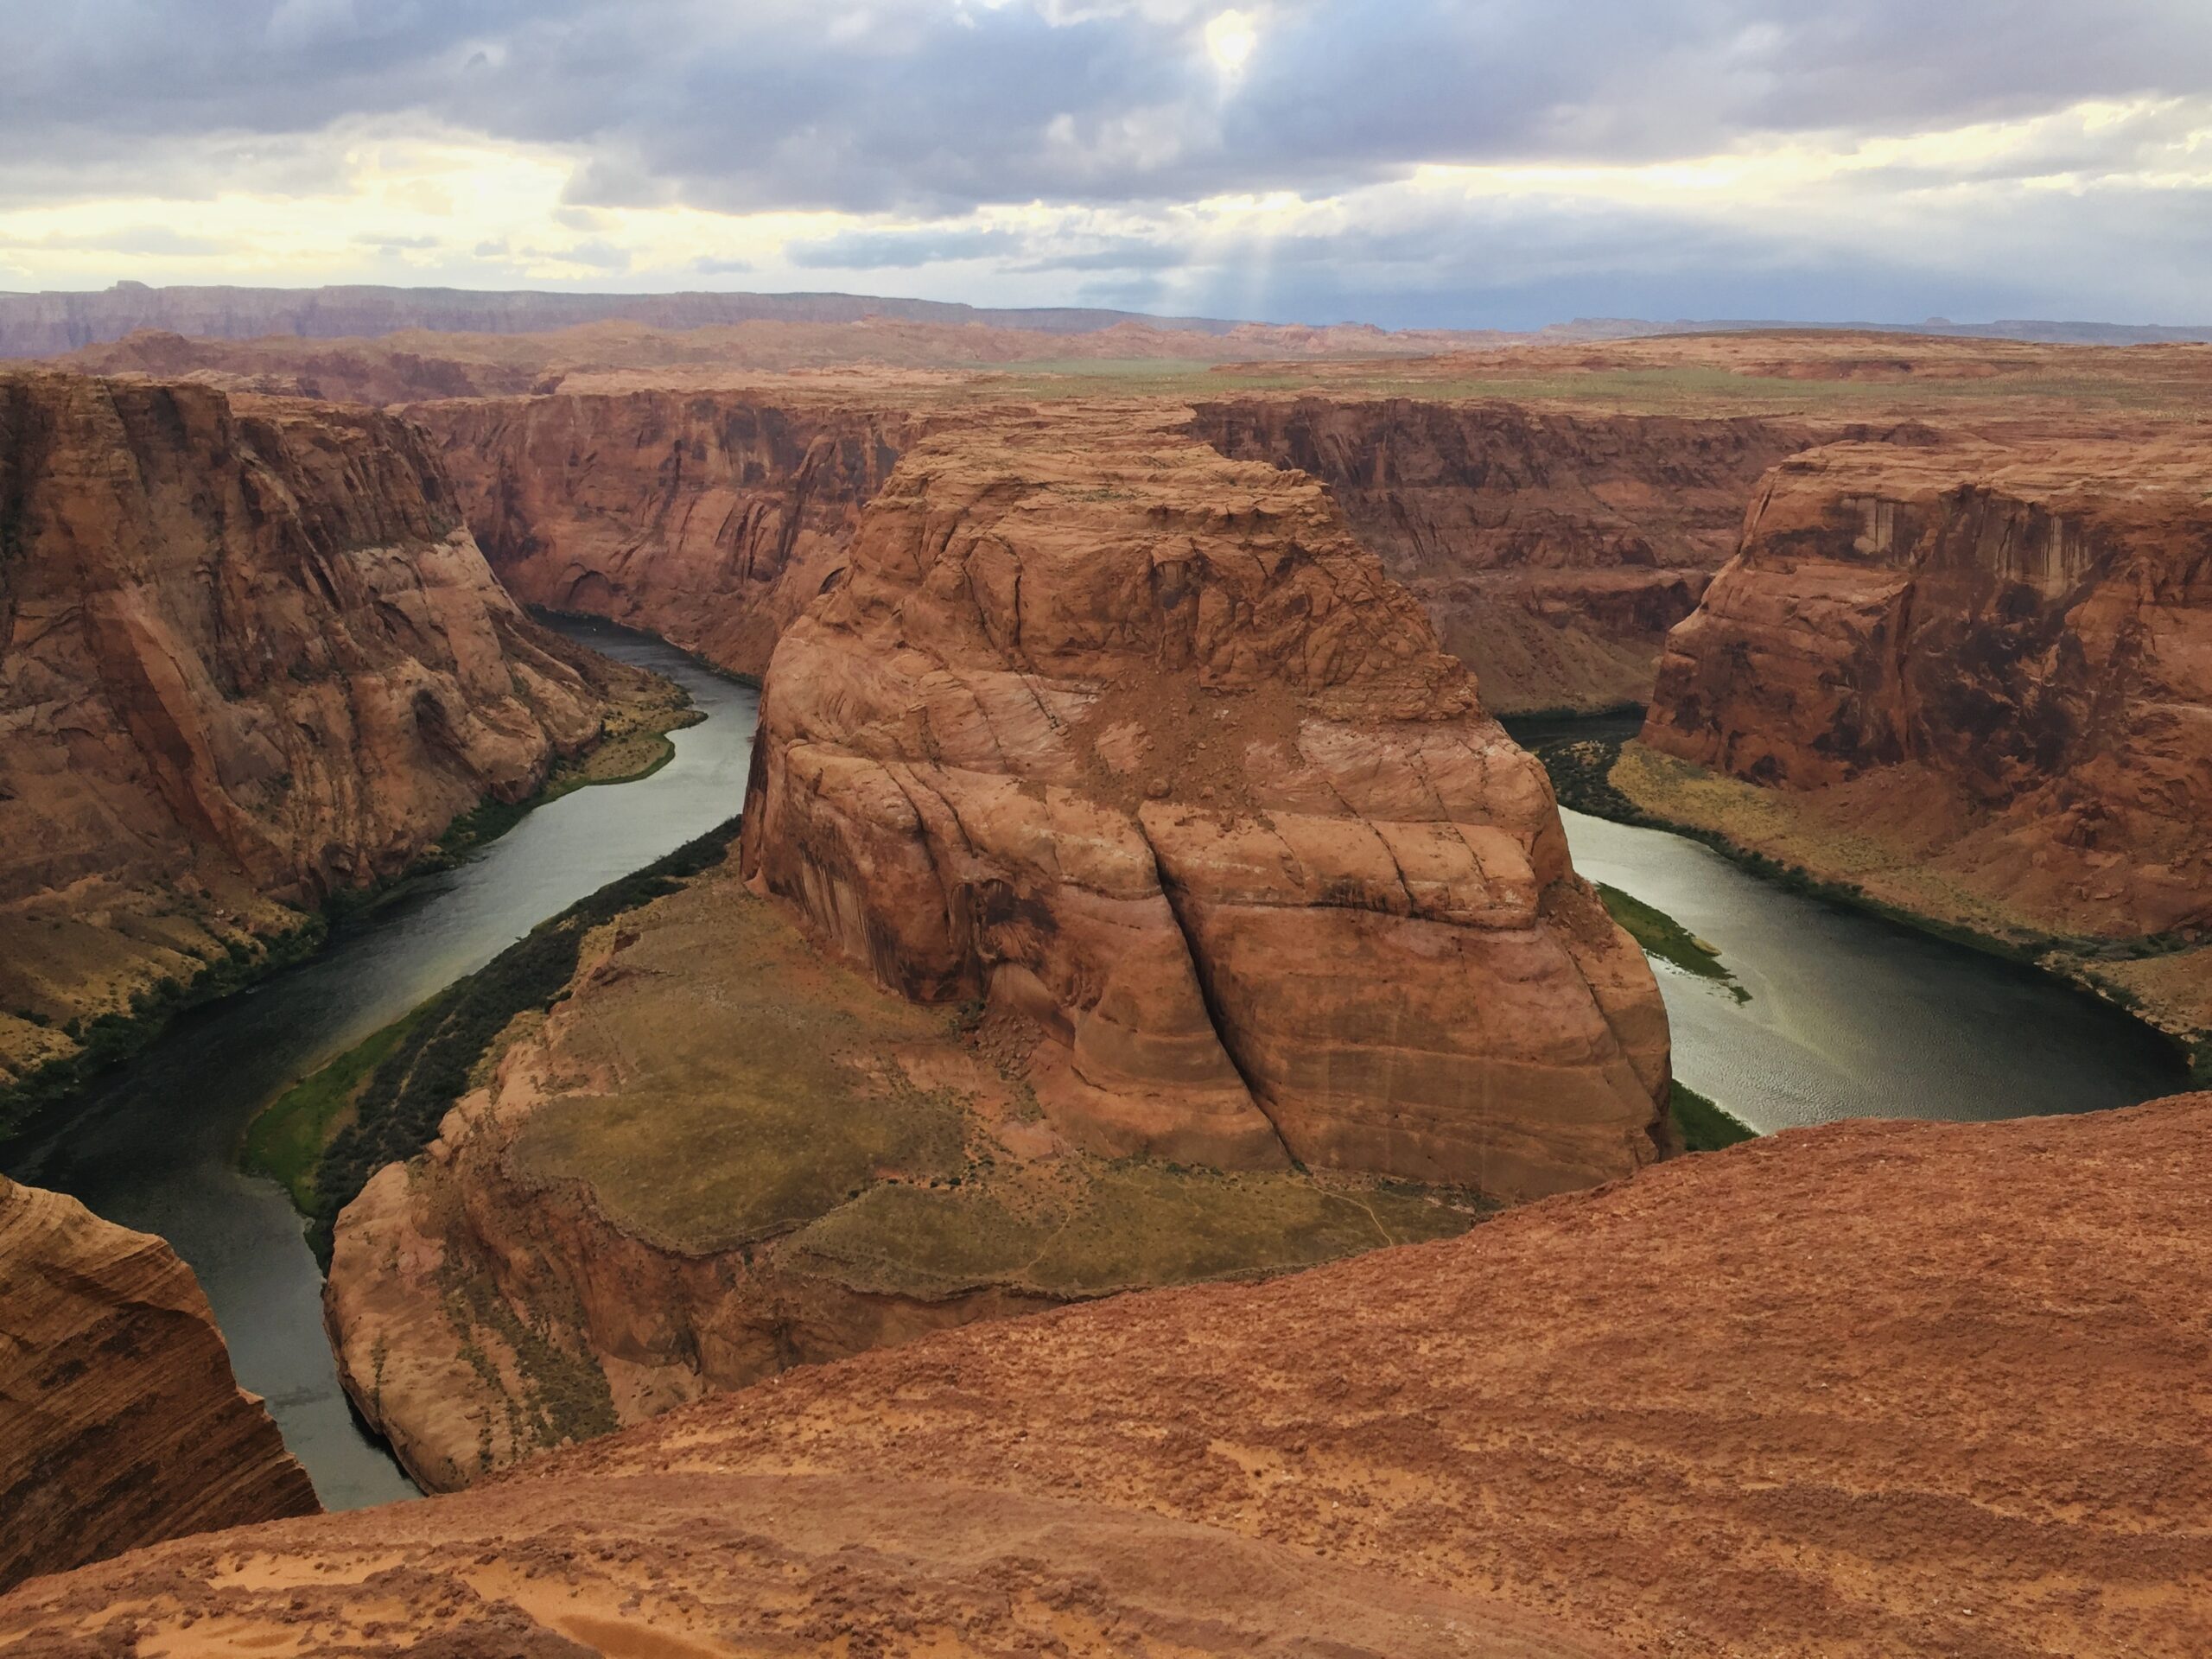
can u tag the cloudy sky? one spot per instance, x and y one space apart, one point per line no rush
1461 162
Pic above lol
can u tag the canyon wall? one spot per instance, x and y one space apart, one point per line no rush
1137 743
1871 1389
710 518
1996 655
120 1423
248 656
1553 551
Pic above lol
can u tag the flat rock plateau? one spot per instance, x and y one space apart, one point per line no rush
1859 1391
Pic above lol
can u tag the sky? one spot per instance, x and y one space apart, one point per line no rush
1463 163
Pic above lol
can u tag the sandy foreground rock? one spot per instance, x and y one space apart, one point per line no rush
1866 1390
1137 744
119 1422
249 655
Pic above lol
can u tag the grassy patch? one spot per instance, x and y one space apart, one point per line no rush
398 1106
287 1141
1662 937
1703 1125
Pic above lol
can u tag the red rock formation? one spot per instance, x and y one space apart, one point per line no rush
710 518
1862 1391
1136 742
250 655
1553 552
120 1423
2016 637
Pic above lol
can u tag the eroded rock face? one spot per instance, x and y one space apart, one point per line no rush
710 518
252 656
1937 1386
120 1423
1553 551
1137 743
2017 635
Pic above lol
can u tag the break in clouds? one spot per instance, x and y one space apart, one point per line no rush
1464 163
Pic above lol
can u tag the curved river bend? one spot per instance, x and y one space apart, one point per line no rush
1853 1016
1849 1016
154 1146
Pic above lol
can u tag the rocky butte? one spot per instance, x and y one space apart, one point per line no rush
250 656
120 1423
1809 1397
1254 939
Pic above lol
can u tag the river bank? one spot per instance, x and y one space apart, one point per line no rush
1849 1010
153 1144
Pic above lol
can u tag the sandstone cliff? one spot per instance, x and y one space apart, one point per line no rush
120 1423
1994 658
1137 744
1552 550
1864 1391
249 655
709 518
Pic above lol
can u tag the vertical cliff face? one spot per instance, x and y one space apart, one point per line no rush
120 1423
1553 551
249 655
1137 744
710 518
2021 636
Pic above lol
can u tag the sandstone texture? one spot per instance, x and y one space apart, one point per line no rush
1552 550
1136 743
711 520
720 1155
249 655
119 1422
1860 1392
1994 657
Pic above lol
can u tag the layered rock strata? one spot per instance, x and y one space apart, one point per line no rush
1993 660
1552 550
1136 743
249 655
120 1423
1860 1391
710 518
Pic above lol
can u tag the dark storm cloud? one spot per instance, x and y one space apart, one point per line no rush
876 105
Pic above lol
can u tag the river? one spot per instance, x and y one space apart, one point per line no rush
154 1146
1853 1016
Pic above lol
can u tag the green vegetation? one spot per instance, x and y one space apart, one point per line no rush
397 1105
287 1141
109 1039
1662 937
1703 1125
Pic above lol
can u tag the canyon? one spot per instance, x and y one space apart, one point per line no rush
1783 1400
120 1423
252 659
1135 890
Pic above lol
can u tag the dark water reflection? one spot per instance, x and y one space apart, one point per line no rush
154 1147
1851 1016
